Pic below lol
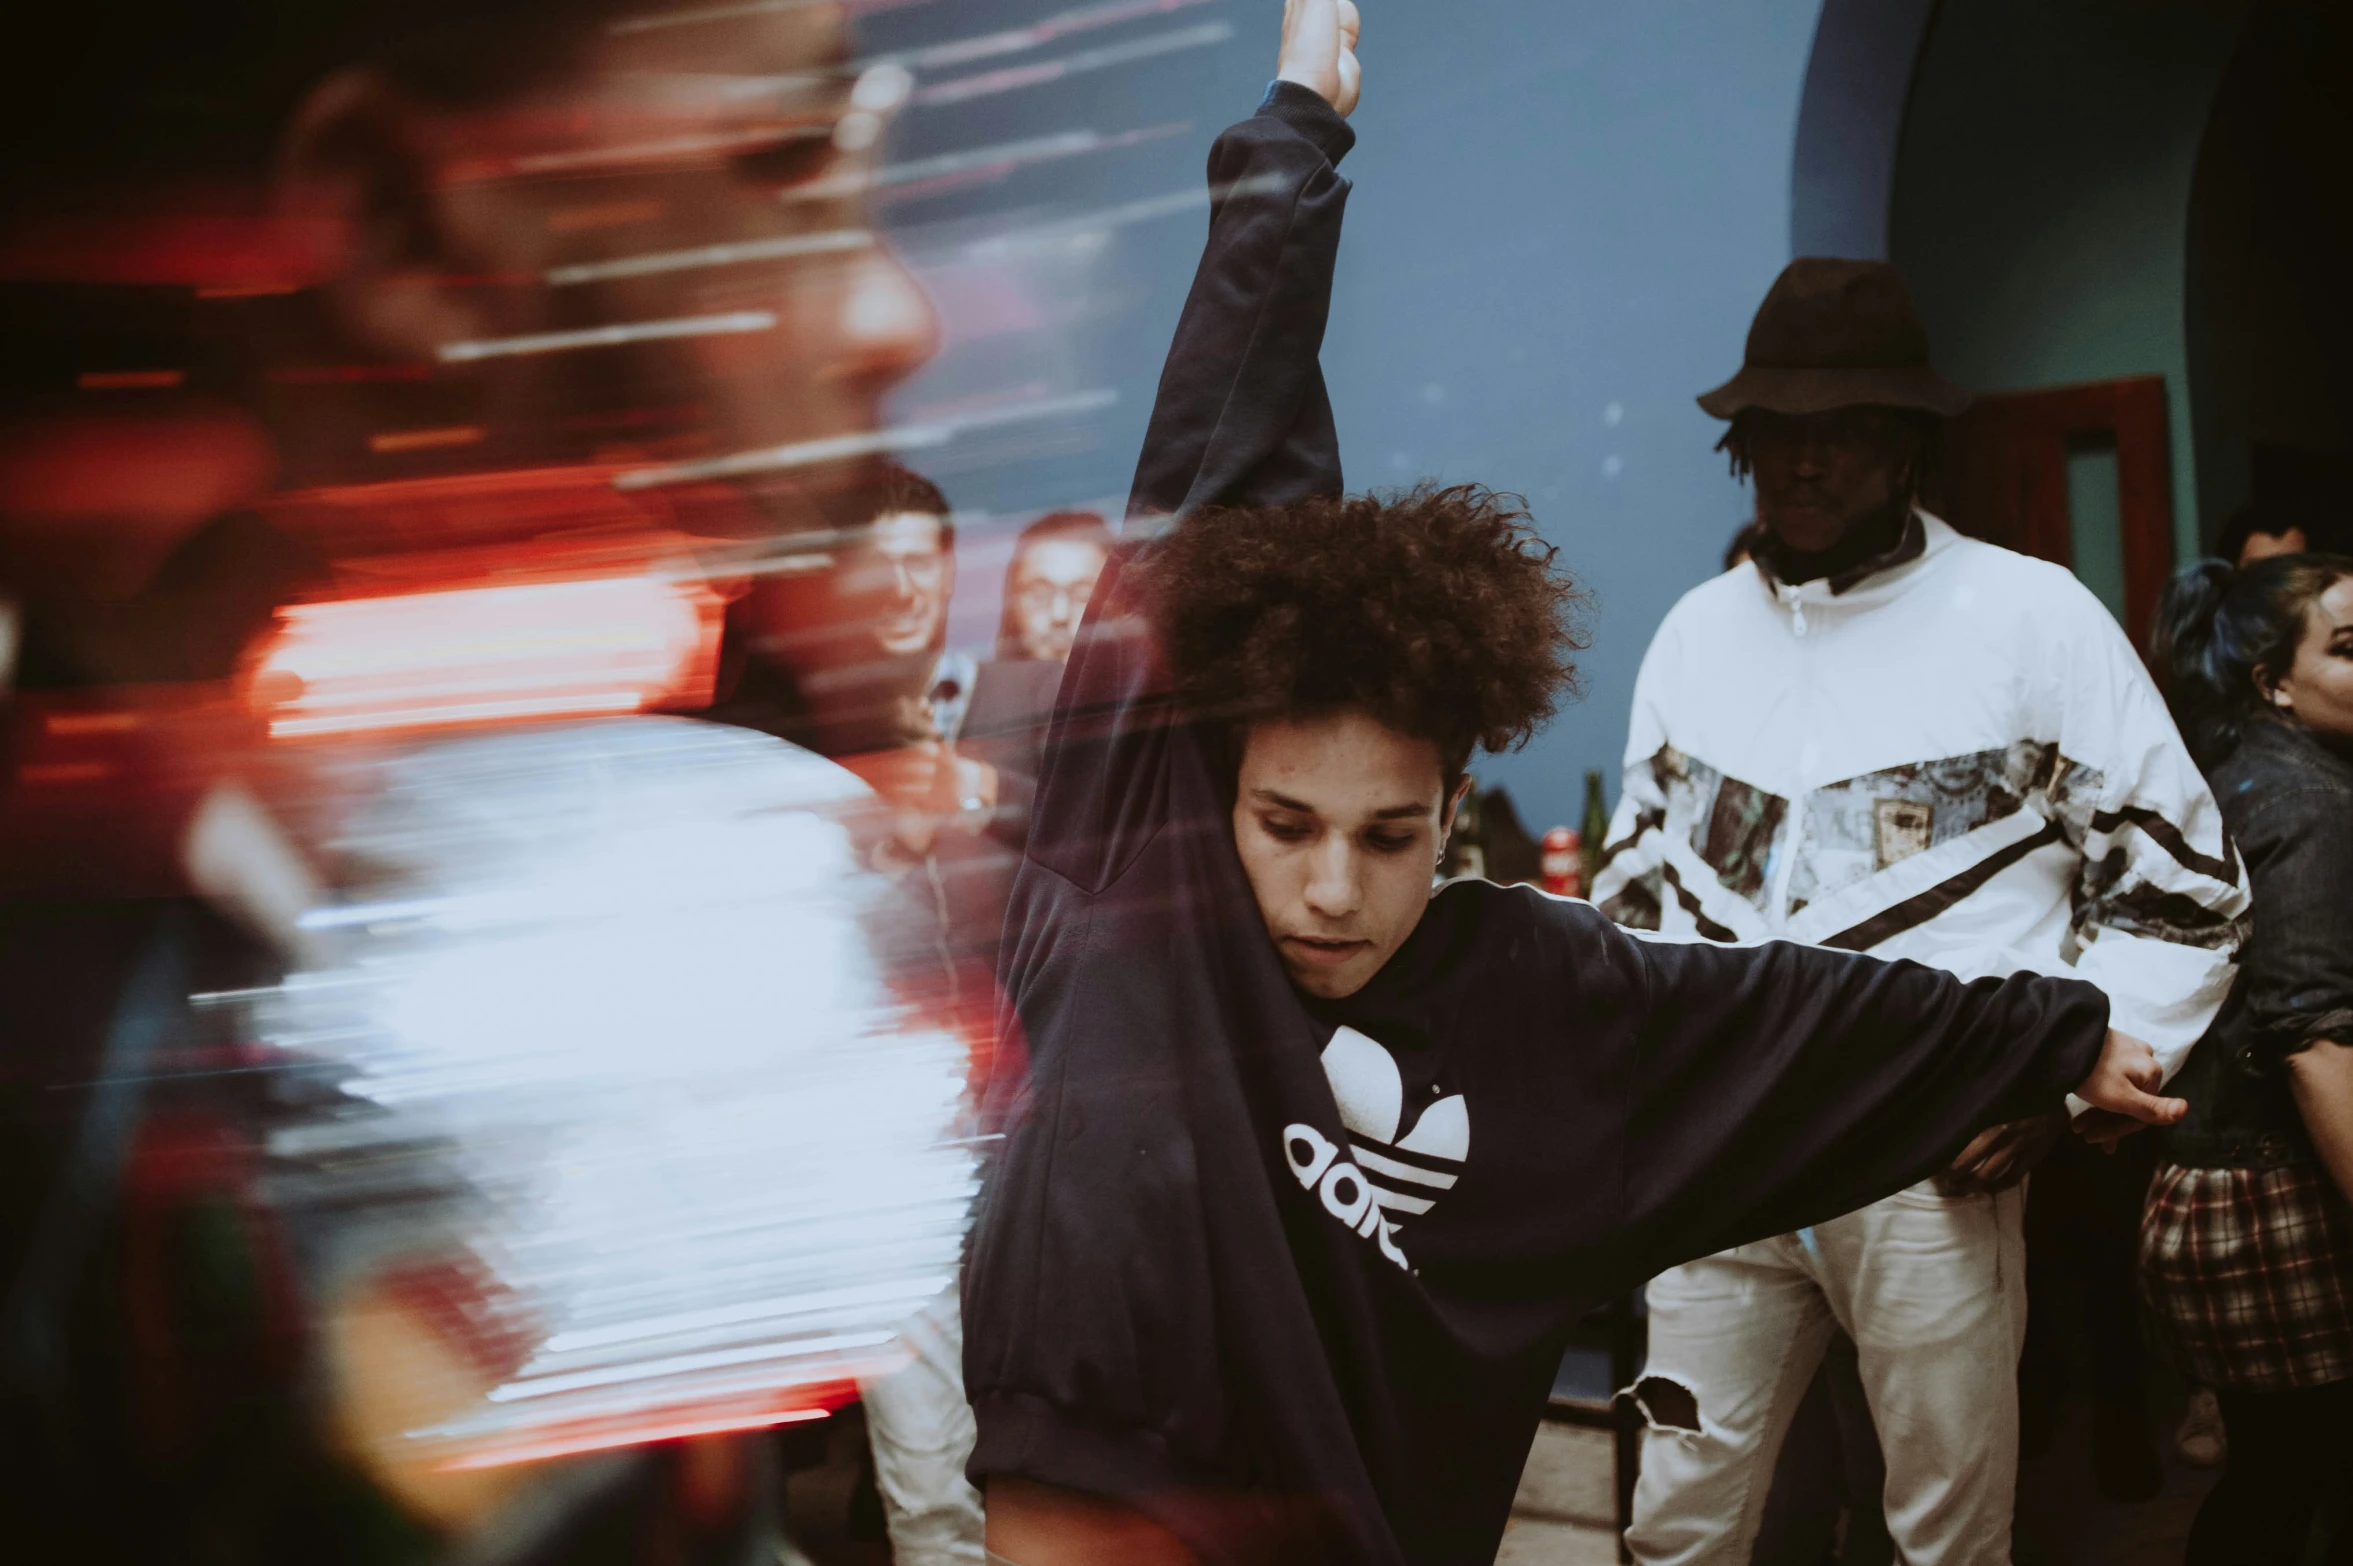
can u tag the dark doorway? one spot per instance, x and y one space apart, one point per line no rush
2268 312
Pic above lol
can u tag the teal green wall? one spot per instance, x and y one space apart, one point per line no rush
2042 188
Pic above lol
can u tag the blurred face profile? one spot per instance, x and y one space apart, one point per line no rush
1338 821
908 577
2317 690
654 251
1051 583
1819 474
2262 546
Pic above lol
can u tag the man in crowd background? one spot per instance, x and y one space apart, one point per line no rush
1056 562
2256 532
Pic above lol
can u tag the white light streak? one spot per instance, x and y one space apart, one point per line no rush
843 448
987 83
654 20
679 1364
1100 223
910 1293
1004 156
351 915
664 148
735 254
609 336
1037 149
1013 40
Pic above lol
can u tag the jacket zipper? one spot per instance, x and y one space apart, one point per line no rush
1796 606
1783 854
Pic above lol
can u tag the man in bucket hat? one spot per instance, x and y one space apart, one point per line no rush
1880 736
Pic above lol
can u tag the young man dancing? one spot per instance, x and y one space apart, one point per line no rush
1312 1170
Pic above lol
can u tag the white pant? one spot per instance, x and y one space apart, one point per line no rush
922 1432
1933 1291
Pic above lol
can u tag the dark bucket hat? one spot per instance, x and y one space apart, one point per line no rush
1836 334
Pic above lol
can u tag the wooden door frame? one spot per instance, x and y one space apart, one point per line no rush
2003 477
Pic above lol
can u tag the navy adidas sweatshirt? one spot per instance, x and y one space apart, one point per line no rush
1292 1278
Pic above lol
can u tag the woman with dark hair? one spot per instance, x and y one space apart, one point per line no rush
2247 1233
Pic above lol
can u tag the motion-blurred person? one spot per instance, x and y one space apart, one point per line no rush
1887 738
1056 562
1315 1166
514 250
2247 1237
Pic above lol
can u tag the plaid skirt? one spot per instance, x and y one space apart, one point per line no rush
2249 1275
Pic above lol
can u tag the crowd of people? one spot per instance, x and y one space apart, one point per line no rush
1939 931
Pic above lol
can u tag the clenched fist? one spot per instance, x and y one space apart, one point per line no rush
2122 1091
1319 50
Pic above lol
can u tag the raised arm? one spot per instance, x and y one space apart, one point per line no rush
1241 417
1085 1351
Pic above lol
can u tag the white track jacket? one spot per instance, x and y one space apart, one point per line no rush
1957 759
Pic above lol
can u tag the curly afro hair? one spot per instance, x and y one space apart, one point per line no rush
1437 611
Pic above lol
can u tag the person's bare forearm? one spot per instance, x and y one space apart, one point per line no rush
2322 1075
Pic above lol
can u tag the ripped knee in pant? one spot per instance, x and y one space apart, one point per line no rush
1666 1403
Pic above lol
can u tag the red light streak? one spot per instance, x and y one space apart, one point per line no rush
130 380
479 654
628 1435
425 440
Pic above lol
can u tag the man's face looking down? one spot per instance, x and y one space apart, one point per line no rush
1818 475
1339 821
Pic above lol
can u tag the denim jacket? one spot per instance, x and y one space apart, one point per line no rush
2288 802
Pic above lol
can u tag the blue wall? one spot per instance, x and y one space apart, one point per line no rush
1565 212
1565 215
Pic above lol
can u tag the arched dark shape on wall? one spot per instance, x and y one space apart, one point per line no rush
1850 118
2267 312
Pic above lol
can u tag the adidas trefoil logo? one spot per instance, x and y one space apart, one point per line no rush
1411 1173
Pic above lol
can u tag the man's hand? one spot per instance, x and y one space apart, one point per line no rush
929 788
2122 1091
1319 50
1998 1157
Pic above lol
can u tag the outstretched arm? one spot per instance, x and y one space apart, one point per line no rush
1781 1085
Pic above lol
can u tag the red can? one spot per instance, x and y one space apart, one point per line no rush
1561 874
